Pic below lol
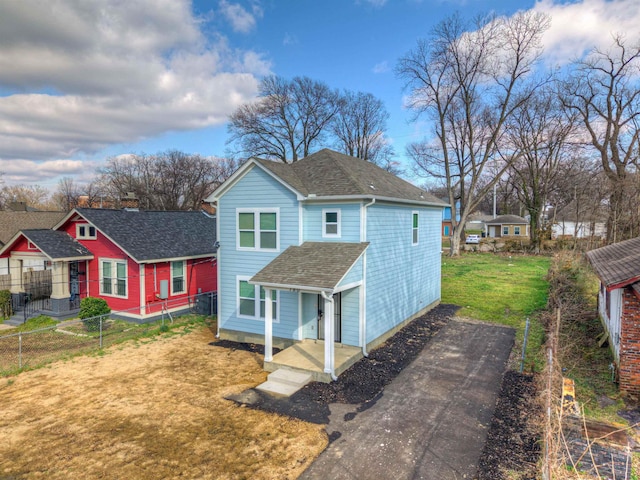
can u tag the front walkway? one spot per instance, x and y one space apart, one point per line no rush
308 356
430 422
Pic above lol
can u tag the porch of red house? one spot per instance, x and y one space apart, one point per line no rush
308 356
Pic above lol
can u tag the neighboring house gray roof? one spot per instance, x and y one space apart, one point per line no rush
312 266
507 219
12 222
327 174
155 235
57 245
617 265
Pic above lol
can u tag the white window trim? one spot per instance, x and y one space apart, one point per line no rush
87 227
256 227
114 282
338 211
256 316
516 230
416 229
505 227
31 245
184 277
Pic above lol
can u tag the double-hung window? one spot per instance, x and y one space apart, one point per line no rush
258 229
505 230
84 231
251 301
414 229
178 284
113 277
331 223
516 230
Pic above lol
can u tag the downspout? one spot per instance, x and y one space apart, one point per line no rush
331 347
364 278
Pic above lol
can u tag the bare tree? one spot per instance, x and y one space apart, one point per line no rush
170 180
34 196
604 92
470 79
539 134
359 129
287 121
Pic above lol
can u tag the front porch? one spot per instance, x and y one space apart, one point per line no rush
309 356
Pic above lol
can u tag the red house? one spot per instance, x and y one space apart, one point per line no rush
143 263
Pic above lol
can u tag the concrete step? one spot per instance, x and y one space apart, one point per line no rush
290 377
15 321
284 382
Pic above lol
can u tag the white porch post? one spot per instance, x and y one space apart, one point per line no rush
329 334
15 270
268 326
60 280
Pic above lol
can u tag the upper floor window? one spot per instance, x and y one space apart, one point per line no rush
31 245
113 277
178 284
258 229
331 223
85 231
414 229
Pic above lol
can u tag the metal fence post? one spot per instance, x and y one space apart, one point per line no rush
101 332
524 345
20 350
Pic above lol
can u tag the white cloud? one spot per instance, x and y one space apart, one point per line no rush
241 20
382 67
578 27
376 3
79 76
289 39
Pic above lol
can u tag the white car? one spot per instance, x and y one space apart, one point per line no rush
473 239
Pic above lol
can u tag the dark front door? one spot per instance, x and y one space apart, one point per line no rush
337 317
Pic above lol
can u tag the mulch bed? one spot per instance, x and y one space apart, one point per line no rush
512 441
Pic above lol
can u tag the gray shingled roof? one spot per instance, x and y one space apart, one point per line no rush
312 265
57 245
507 219
618 264
12 222
329 173
155 235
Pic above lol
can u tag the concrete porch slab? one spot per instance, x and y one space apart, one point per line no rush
308 357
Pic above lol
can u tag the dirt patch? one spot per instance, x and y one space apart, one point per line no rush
154 409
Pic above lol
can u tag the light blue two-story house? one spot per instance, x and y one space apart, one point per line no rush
331 252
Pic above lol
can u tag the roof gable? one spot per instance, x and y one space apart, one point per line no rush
54 244
331 174
155 235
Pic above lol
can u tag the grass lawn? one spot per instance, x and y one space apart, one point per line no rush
499 289
149 409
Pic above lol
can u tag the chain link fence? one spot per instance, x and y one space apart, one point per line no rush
33 348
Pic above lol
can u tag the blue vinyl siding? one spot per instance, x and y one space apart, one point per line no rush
255 189
402 278
349 222
353 275
351 317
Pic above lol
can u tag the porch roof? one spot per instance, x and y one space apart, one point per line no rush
57 245
313 266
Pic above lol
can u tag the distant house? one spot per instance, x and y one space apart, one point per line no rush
328 252
143 263
618 268
578 222
507 226
447 224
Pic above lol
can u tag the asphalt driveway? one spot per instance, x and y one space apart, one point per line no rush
431 421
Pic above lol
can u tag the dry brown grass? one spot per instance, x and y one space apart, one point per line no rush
151 410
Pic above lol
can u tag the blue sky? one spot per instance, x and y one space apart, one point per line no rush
81 81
